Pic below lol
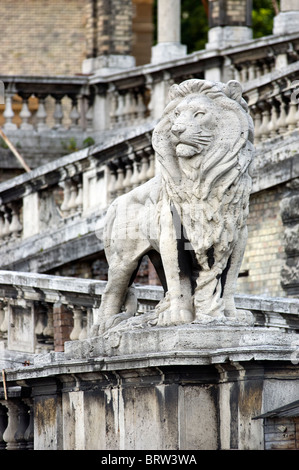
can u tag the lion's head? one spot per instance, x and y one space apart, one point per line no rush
202 131
204 143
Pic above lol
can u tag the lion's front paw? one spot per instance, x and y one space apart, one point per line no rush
175 317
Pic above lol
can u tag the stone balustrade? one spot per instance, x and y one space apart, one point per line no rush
34 309
72 188
33 103
42 104
60 113
16 420
273 103
64 201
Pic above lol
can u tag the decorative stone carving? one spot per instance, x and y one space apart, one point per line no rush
190 219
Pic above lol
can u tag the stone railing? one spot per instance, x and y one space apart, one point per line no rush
68 110
41 103
40 312
64 104
70 195
273 103
16 419
66 199
259 57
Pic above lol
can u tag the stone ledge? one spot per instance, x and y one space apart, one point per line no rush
187 345
202 344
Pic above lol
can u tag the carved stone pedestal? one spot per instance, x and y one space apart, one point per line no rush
193 387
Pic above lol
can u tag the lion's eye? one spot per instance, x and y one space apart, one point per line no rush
176 113
199 113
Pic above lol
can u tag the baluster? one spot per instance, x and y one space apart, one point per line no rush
73 196
44 327
58 114
135 175
264 131
29 433
291 120
48 331
12 426
74 114
77 316
244 73
83 334
79 198
251 71
119 114
257 124
237 74
66 196
9 113
2 316
151 169
112 109
129 172
38 330
25 114
6 230
23 422
281 122
41 115
272 126
3 426
119 187
15 226
297 116
127 111
89 117
143 169
258 70
141 108
2 233
4 324
135 108
112 181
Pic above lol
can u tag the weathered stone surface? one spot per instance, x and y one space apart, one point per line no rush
196 344
290 208
291 238
191 218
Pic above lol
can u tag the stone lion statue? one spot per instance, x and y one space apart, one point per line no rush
190 219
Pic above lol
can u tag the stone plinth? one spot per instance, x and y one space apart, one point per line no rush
287 21
187 344
220 37
142 387
193 387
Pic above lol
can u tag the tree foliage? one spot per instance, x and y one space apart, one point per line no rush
194 21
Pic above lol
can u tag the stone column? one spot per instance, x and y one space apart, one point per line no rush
169 45
108 36
230 23
287 21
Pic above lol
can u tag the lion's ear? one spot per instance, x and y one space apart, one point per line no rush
233 90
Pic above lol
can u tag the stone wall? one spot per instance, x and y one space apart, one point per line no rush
114 27
45 38
54 37
264 254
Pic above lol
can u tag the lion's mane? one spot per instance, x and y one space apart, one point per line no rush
212 192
